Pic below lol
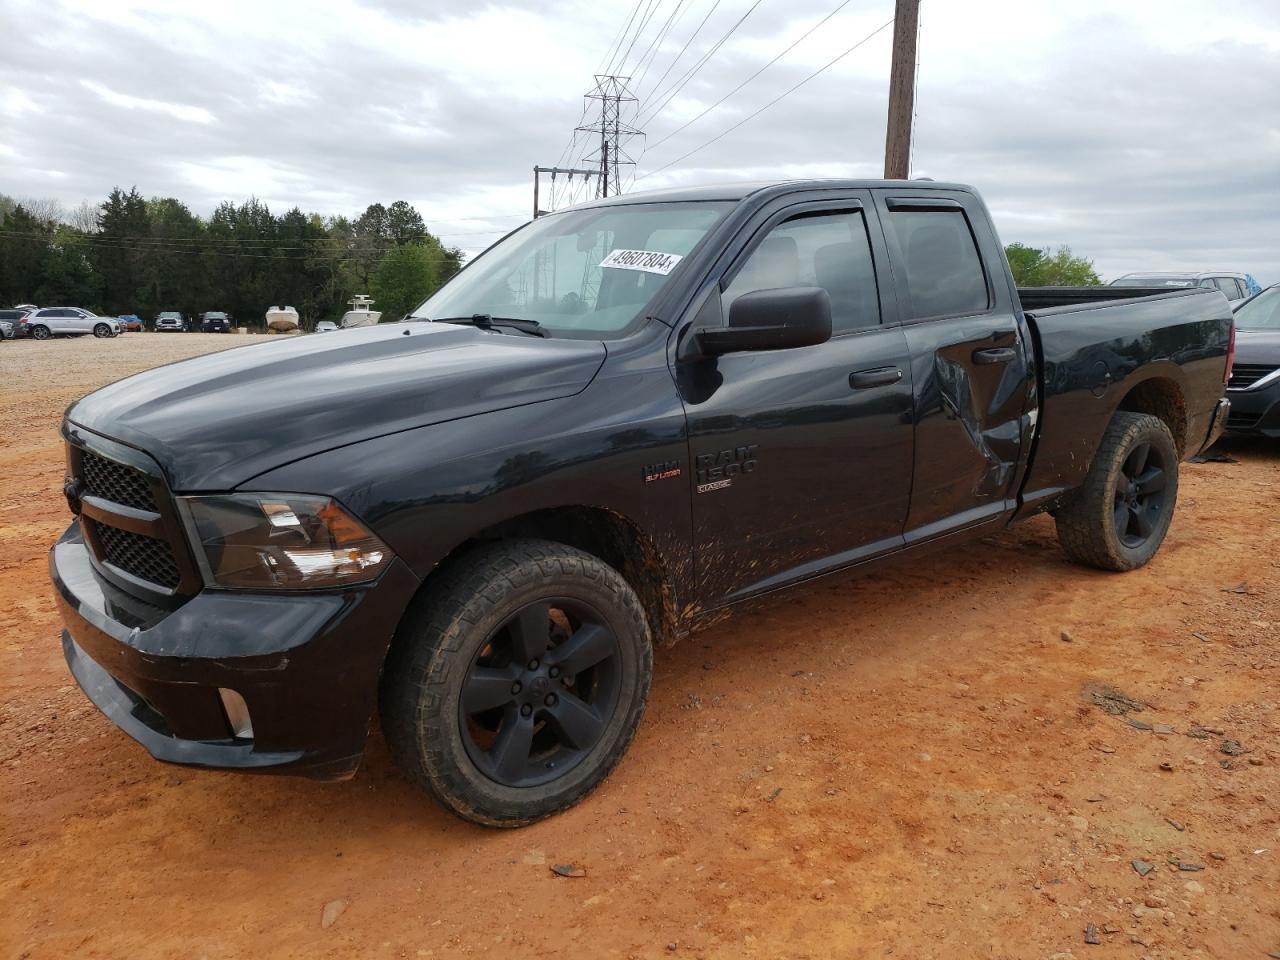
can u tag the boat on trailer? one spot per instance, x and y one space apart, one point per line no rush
360 314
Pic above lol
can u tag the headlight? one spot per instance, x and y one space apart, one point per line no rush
281 541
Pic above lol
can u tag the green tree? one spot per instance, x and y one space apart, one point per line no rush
69 275
1034 267
407 276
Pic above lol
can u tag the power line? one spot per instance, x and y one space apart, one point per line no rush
805 36
694 70
693 36
651 54
649 11
125 248
782 96
280 243
615 46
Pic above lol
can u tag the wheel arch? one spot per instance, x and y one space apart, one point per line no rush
605 534
1162 397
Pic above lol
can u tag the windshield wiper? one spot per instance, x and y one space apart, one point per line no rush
487 322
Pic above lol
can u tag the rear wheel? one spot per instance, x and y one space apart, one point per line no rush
517 681
41 332
1120 515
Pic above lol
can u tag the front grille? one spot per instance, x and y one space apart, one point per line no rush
1245 375
142 557
116 482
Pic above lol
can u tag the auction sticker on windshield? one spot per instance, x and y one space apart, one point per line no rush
648 261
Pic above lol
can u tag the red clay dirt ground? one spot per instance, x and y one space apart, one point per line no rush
902 765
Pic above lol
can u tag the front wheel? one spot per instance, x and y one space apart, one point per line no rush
517 681
1119 517
41 333
101 331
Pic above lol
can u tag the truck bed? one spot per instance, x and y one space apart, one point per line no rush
1094 354
1039 298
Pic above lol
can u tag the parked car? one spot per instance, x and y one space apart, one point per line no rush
482 524
50 322
1234 286
131 322
1254 387
215 321
170 321
16 318
6 330
326 326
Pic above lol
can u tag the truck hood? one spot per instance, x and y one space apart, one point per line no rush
218 420
1258 346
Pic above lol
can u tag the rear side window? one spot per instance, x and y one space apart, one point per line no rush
943 270
829 251
1230 286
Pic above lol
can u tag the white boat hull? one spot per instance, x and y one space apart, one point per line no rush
360 318
282 320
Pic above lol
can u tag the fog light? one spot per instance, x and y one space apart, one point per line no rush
237 712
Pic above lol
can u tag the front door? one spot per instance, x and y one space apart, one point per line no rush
972 374
802 457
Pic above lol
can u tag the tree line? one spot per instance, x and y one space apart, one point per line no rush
136 255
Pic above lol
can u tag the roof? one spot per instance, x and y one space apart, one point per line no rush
741 189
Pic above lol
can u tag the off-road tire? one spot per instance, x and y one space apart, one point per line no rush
41 332
1085 523
440 636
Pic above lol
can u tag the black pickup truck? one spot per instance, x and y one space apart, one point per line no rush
614 425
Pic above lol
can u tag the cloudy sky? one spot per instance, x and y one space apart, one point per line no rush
1145 135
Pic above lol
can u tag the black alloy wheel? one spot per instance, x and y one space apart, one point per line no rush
517 680
540 693
1118 517
1140 495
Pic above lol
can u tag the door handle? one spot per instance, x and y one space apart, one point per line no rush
995 355
879 377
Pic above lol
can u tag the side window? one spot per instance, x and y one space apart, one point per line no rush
827 250
944 272
1208 284
1230 286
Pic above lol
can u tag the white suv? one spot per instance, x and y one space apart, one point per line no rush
70 321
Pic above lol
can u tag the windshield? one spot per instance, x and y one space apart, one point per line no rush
1262 312
582 273
1154 282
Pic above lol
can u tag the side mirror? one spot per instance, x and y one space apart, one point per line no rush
777 319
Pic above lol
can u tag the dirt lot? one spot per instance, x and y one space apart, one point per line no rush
903 765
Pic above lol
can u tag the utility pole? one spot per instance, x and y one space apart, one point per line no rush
902 92
570 172
613 95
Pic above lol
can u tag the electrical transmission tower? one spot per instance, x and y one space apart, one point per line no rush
610 156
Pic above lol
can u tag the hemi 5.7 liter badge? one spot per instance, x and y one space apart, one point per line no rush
661 471
715 471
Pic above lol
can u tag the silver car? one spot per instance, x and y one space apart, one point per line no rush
1234 286
326 326
50 322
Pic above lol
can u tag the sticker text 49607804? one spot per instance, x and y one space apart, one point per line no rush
648 261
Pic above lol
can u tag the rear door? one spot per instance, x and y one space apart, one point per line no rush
57 319
972 373
802 457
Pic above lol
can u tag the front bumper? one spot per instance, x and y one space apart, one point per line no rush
306 664
1256 412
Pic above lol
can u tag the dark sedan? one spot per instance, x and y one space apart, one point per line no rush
1255 379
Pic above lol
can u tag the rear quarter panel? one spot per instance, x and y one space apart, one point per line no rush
1094 356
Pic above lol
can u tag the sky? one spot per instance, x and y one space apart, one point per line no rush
1144 135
